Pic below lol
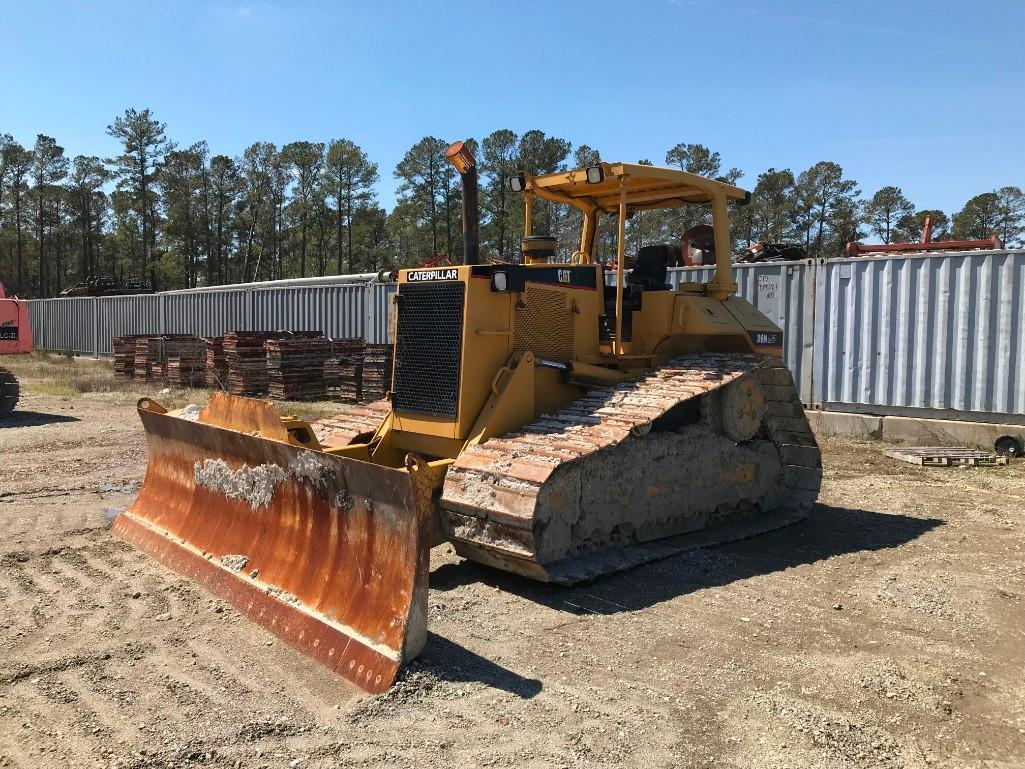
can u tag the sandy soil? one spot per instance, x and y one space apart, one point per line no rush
886 631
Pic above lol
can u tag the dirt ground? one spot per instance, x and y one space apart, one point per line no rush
887 630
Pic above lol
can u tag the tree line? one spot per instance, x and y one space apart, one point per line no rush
180 216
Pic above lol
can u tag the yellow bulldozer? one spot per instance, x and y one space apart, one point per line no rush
544 417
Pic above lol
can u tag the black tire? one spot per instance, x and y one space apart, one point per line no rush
9 392
1008 446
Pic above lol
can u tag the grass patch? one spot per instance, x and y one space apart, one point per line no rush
62 375
66 376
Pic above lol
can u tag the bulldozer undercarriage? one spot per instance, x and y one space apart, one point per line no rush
632 472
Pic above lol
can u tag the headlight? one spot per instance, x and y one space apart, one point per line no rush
500 281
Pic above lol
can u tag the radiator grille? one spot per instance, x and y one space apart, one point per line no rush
544 324
428 346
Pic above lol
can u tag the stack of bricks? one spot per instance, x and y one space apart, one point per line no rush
186 362
245 355
216 367
377 371
153 354
295 367
147 352
124 355
246 360
345 371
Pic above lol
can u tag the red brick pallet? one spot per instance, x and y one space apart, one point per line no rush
295 368
124 354
377 371
152 354
344 372
216 374
246 357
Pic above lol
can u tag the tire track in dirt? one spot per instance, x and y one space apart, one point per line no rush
94 587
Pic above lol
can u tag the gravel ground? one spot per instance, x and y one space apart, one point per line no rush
887 630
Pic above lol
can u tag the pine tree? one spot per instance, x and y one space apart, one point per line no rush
350 178
885 209
304 160
89 203
144 143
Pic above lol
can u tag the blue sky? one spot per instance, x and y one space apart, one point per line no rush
929 96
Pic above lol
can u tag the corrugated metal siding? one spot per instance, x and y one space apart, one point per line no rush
63 325
338 311
379 312
927 332
206 314
121 315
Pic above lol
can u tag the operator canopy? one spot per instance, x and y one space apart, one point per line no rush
597 188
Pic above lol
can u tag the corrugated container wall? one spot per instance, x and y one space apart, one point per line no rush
337 311
64 325
121 315
210 313
942 333
379 312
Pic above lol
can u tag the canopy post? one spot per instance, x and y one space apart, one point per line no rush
587 235
721 285
620 258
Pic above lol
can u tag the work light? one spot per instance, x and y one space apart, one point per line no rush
595 175
517 183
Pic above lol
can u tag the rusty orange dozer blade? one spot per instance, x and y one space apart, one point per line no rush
328 553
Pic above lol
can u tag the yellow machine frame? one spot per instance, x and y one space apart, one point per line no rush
506 384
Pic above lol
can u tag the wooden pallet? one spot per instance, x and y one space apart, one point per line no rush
945 456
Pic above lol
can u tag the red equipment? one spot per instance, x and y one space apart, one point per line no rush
699 246
927 244
15 338
441 260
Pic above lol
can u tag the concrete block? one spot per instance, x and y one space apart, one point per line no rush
913 431
827 423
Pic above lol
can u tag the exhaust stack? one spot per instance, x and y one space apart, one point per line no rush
460 156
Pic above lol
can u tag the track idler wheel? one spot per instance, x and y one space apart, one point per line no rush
9 392
736 410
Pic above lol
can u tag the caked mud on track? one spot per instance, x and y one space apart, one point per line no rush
708 448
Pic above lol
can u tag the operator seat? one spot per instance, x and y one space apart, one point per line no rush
648 274
651 269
